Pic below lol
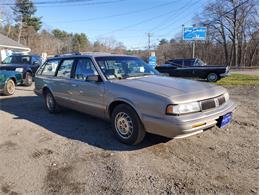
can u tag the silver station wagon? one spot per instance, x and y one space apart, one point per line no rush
132 95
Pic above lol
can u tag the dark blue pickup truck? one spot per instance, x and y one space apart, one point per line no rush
195 68
25 64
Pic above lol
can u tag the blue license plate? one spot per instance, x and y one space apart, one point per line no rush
224 120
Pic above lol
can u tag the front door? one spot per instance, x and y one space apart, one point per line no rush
88 96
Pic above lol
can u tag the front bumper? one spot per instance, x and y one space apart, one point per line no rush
183 126
224 74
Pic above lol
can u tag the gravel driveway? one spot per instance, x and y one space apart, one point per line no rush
73 153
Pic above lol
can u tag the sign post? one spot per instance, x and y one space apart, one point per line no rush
152 59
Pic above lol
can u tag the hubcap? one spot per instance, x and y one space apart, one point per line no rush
212 77
50 102
10 87
124 125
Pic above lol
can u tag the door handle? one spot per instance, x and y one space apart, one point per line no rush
74 85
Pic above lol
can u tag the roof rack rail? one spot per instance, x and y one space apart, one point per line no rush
68 54
94 52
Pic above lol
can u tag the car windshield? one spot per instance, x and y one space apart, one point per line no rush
17 60
123 67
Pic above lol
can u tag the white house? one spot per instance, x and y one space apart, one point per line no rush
9 46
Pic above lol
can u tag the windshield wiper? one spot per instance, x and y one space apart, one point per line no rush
139 75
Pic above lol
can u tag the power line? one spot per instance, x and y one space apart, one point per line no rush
136 24
175 19
67 3
120 14
164 22
227 12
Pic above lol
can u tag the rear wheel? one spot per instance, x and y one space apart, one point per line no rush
212 77
28 79
50 102
9 87
127 126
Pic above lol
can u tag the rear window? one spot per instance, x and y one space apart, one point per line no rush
49 68
17 60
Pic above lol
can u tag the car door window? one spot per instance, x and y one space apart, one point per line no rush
49 68
188 62
65 68
84 68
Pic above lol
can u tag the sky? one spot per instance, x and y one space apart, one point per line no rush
127 21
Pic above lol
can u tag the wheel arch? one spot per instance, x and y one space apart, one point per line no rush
119 101
45 89
13 78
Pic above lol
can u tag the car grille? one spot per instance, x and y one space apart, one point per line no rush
212 103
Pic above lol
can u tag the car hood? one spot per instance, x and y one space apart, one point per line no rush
177 89
14 65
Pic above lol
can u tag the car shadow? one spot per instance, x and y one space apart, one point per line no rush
71 124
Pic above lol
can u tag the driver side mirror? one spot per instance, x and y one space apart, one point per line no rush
93 78
36 63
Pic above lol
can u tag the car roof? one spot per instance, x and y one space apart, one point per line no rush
88 54
24 55
183 59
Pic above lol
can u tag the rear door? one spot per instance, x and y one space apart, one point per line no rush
61 84
88 96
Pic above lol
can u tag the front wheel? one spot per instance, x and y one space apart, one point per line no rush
9 87
127 126
28 79
212 77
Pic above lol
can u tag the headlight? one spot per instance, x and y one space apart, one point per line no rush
19 69
183 108
226 96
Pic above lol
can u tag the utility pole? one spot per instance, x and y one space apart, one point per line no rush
20 30
193 45
149 41
193 49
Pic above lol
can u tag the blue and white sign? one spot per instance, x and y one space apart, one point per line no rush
152 60
194 33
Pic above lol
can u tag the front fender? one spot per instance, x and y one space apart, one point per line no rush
127 101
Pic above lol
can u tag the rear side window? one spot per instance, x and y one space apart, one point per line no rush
188 62
49 68
177 62
65 68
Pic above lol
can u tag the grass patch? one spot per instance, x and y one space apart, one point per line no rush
239 79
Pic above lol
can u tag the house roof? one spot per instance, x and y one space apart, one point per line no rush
6 42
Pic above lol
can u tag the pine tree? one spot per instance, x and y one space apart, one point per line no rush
24 11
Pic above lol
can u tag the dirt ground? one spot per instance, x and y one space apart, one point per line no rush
73 153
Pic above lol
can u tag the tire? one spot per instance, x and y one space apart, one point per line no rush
9 87
127 126
212 77
50 102
28 79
